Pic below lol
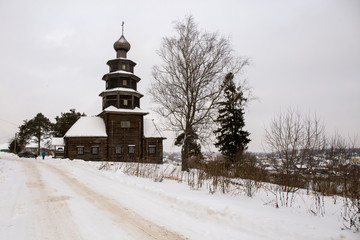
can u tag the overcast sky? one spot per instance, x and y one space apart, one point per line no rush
304 55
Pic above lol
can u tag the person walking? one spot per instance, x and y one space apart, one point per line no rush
43 154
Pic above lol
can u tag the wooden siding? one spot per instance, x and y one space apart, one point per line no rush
119 138
115 82
156 157
116 64
72 143
124 137
117 100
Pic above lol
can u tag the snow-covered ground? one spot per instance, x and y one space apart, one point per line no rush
63 199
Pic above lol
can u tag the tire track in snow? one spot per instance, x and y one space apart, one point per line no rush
53 219
131 222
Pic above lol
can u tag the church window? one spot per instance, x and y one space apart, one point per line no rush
95 150
80 150
124 82
125 124
123 67
117 149
125 102
152 149
131 148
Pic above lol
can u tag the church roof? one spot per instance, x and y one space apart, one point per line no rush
87 127
123 110
57 141
151 130
121 89
122 59
121 73
122 44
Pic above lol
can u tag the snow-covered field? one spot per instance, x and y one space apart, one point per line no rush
63 199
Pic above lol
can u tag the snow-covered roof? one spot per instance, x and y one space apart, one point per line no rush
114 59
301 166
150 129
121 89
121 72
56 141
122 110
87 127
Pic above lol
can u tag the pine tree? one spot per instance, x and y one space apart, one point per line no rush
232 140
194 145
39 127
65 121
15 146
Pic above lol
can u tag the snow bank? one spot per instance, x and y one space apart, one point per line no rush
11 156
174 205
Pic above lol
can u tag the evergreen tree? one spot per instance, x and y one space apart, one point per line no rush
65 121
194 146
39 127
15 146
232 140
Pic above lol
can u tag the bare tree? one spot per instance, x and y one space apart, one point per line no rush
188 84
314 140
294 139
346 181
338 148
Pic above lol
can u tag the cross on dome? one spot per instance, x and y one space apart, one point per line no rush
122 46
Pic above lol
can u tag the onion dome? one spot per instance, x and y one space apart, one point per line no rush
122 44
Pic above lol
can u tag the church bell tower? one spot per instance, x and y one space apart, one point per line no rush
122 115
121 82
120 132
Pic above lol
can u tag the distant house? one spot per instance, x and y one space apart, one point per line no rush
58 147
4 147
120 132
355 159
32 146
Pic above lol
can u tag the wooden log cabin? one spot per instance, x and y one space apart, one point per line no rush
120 132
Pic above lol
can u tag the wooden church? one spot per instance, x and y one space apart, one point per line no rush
120 132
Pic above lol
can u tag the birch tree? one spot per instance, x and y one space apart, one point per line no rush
188 84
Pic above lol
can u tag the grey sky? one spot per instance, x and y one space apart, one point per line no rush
304 54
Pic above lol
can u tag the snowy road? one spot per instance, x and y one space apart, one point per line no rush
50 187
62 199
